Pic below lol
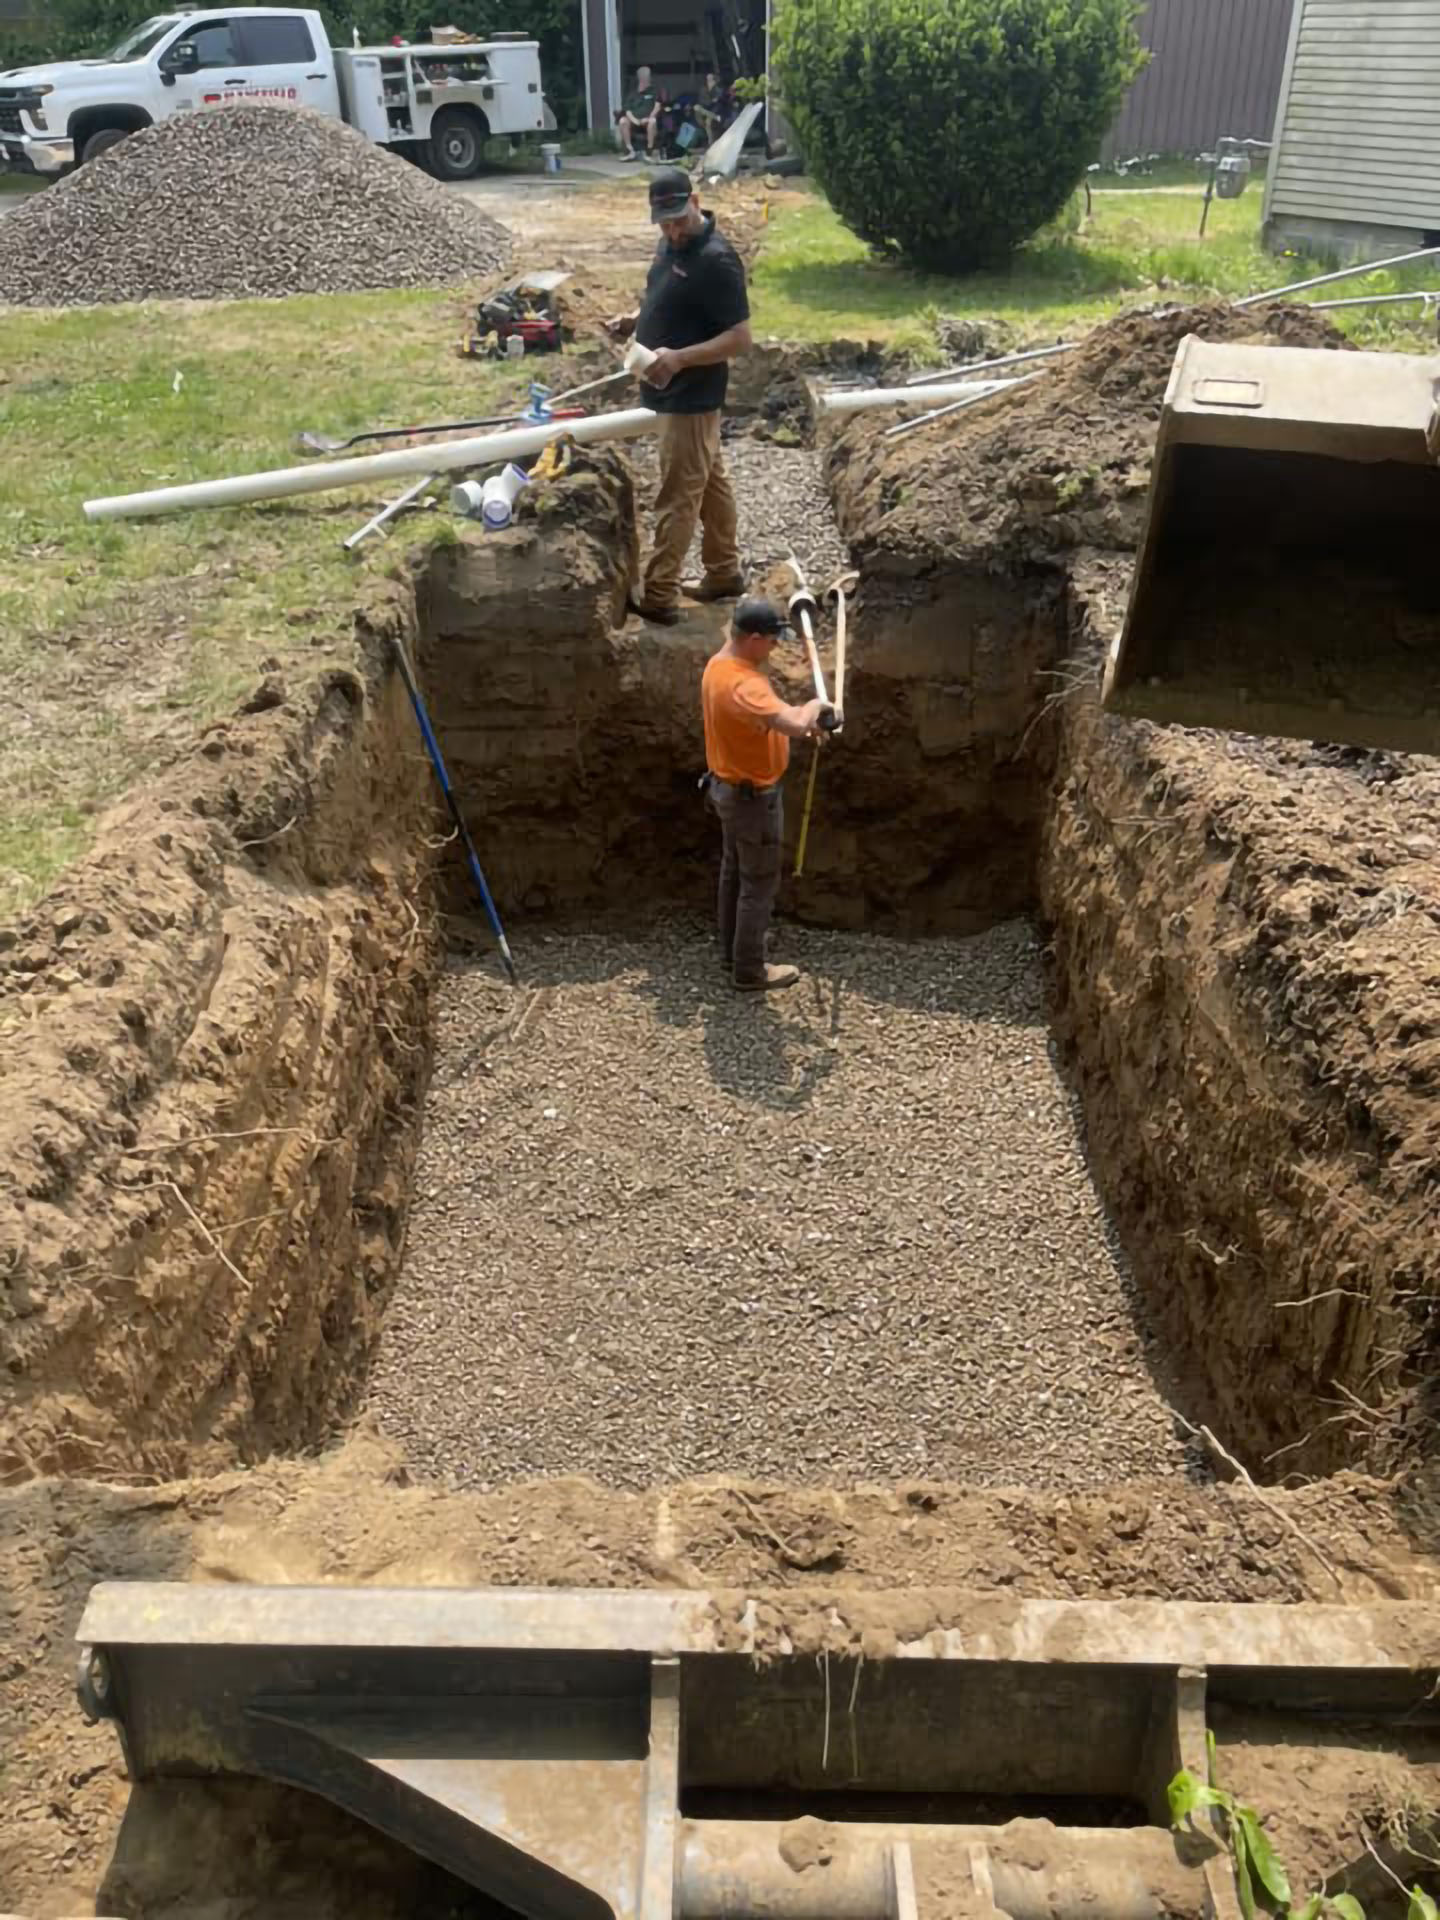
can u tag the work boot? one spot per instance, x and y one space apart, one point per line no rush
708 590
658 616
773 976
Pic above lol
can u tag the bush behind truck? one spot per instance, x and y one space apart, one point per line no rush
437 103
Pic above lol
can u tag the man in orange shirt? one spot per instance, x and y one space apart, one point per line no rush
748 730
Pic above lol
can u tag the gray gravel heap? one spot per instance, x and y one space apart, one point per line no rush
240 201
847 1233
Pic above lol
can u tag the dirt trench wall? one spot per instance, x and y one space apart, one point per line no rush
575 737
215 1039
929 808
1247 969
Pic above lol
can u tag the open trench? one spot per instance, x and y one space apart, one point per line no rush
1009 1194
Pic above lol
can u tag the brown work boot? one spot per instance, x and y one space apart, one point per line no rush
772 977
657 616
713 589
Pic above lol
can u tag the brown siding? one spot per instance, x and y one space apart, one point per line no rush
1215 68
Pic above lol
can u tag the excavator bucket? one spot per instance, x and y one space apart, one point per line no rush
1289 580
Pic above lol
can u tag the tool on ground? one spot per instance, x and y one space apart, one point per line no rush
483 1727
323 443
437 760
386 514
1287 581
524 312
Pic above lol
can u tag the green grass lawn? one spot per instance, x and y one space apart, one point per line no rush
816 281
118 641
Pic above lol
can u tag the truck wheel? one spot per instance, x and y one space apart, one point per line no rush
102 142
457 144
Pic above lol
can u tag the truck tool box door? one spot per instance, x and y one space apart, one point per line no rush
284 63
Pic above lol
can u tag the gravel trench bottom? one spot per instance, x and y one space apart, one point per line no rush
842 1234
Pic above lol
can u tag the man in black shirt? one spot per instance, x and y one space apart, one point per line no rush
695 317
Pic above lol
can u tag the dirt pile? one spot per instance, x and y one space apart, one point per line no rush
1247 946
1059 464
211 1042
254 200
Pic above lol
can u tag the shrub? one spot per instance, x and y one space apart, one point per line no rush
950 130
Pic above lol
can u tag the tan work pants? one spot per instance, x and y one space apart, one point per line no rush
693 486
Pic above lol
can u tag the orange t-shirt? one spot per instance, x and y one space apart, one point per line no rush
737 700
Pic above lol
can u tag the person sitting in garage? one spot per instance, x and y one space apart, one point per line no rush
641 112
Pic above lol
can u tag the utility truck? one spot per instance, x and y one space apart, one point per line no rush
437 102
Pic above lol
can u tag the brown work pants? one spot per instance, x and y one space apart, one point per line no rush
752 825
693 486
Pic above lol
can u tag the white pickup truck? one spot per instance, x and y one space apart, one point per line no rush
437 102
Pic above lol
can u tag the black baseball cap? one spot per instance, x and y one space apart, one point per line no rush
670 193
760 616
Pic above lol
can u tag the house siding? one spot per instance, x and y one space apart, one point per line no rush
1359 143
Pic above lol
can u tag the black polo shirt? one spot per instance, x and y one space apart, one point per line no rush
694 292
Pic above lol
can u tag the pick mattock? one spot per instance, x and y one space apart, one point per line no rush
835 596
804 611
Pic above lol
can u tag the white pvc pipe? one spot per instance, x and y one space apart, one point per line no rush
862 399
988 366
446 457
959 406
1345 273
1374 300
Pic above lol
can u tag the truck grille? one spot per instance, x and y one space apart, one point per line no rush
9 119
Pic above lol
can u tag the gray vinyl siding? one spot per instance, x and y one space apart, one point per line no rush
1215 68
1359 133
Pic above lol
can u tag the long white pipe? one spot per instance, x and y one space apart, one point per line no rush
1345 273
988 366
1375 300
445 457
862 399
959 406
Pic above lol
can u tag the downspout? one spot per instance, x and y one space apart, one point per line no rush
585 65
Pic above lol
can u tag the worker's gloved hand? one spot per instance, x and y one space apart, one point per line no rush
828 720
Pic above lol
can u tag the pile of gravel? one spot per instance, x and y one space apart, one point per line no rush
846 1234
252 200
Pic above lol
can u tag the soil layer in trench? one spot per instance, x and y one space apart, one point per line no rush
843 1234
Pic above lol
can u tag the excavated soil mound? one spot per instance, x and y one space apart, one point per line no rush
257 200
1062 463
